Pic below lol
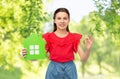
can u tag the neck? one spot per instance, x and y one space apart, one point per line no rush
61 33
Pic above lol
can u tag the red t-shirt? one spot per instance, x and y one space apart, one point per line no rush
62 49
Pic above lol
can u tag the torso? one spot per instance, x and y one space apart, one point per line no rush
61 49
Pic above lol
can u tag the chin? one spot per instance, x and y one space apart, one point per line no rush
62 28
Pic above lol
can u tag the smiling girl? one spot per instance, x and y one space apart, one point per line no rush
61 44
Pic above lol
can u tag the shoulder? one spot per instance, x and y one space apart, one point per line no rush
47 35
76 35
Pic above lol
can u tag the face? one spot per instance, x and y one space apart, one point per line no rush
61 20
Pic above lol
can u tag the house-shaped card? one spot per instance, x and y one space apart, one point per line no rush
35 46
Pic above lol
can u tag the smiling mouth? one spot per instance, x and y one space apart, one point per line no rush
62 25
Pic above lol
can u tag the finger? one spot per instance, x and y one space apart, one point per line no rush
24 52
85 40
88 41
24 56
23 49
90 37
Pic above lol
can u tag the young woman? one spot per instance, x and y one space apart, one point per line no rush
61 45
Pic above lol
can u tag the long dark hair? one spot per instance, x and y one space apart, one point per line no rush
60 10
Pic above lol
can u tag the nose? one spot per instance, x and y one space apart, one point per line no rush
62 20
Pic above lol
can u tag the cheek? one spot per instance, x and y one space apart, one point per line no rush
67 22
55 21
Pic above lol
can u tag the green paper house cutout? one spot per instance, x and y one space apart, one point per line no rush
35 46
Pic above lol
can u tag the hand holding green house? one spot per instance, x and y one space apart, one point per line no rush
35 46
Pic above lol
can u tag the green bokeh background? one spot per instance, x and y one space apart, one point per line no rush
20 18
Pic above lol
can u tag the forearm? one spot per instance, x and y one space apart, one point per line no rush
88 44
84 55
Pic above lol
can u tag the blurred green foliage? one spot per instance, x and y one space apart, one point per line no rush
20 18
104 26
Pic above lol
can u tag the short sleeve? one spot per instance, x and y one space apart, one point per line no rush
77 38
46 36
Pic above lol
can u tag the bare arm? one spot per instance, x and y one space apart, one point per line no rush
84 55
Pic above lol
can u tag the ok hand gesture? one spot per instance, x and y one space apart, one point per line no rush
88 42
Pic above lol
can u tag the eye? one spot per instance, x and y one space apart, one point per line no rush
58 18
65 18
